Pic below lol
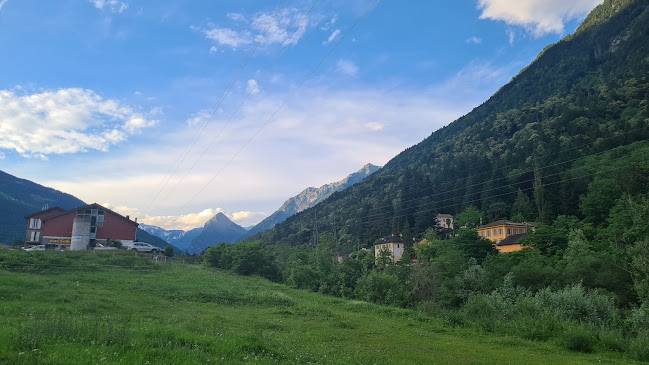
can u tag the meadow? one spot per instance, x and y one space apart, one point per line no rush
115 308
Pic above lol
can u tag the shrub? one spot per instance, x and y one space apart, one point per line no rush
612 340
639 347
479 308
382 288
576 303
538 328
579 338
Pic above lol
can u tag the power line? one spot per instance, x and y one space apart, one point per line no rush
494 180
285 101
206 122
279 53
455 182
392 216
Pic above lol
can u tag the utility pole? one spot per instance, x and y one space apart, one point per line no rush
315 228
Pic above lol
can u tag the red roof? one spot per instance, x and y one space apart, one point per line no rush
93 205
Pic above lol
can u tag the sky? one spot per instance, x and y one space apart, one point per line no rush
172 111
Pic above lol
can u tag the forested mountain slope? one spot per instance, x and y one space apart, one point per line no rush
582 96
19 197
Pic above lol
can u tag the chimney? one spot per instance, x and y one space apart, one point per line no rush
135 219
127 217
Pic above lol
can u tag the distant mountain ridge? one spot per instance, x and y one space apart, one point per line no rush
309 197
177 237
218 229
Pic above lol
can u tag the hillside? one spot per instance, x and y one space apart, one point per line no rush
309 197
19 197
144 236
122 309
587 94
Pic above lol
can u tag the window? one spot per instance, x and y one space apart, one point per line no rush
93 229
500 231
509 231
34 236
488 233
88 211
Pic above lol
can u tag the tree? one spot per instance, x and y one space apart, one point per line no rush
497 211
522 209
598 201
468 241
471 217
169 251
114 243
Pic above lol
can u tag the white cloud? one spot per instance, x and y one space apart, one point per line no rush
374 126
237 17
213 50
347 67
188 221
280 31
2 3
474 40
246 218
539 17
253 87
511 35
2 156
184 222
331 37
114 6
228 37
64 121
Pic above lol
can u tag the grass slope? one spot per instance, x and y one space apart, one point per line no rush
80 308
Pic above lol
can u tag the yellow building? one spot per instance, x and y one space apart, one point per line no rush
506 235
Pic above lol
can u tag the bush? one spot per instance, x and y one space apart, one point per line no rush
576 303
480 309
639 347
538 328
612 340
579 338
382 288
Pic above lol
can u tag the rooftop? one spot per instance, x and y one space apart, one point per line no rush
504 222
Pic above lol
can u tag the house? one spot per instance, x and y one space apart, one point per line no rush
79 228
392 244
444 221
505 234
339 257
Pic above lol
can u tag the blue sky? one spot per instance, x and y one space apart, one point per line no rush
103 98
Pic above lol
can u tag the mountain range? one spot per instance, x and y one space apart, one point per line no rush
221 229
583 96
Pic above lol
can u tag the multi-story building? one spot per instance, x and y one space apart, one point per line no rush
506 235
393 245
79 228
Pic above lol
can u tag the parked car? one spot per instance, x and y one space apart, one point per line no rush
143 247
36 248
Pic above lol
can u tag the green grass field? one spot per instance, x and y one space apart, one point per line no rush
71 308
